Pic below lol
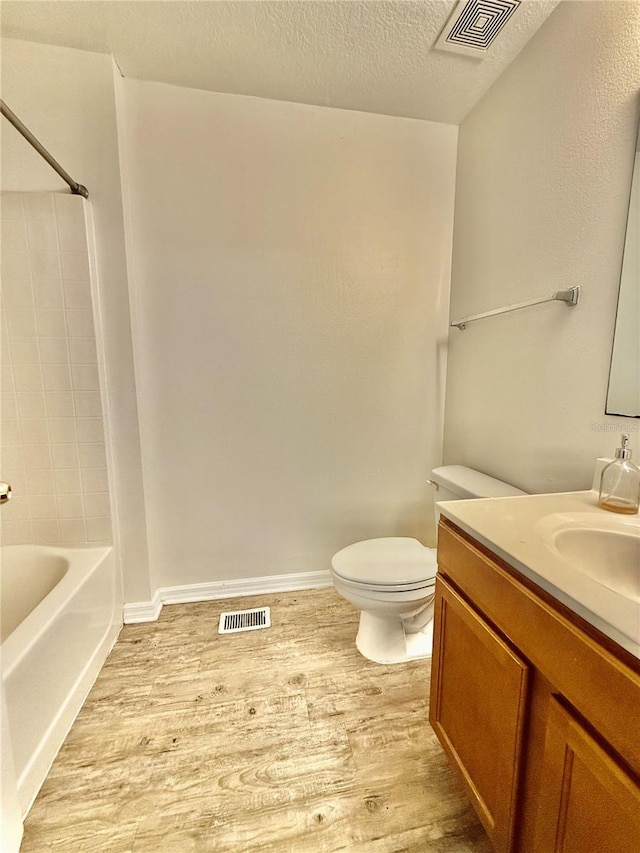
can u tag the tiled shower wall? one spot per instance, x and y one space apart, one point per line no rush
52 440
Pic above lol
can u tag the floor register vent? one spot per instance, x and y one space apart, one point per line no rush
244 620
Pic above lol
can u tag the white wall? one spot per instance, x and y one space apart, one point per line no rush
544 170
292 269
66 97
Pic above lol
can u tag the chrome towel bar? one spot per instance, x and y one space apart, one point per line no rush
569 297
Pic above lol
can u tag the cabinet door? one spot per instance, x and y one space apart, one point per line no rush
478 709
588 803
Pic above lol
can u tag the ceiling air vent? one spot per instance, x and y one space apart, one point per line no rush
474 25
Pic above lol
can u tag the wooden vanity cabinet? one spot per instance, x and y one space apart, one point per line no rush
539 712
587 801
478 710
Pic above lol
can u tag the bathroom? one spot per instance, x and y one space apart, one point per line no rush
283 230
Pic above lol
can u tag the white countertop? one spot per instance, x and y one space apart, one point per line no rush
514 529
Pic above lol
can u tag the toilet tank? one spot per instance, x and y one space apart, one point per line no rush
456 482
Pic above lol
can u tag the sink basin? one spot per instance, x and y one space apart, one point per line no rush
611 558
605 549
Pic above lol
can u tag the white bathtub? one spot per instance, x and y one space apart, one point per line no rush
61 615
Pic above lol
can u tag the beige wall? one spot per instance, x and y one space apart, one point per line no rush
291 269
66 97
544 170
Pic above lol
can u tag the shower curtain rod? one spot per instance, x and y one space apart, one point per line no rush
76 188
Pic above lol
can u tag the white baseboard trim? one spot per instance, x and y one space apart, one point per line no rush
149 611
142 611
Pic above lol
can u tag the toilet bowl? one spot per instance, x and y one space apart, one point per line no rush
391 580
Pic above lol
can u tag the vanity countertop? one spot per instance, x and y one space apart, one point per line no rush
523 531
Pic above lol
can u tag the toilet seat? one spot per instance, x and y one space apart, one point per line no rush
391 564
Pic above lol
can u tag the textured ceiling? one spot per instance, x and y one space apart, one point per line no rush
369 55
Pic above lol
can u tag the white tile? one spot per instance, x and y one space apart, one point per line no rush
96 504
93 455
94 480
15 266
80 323
38 205
85 377
67 481
9 416
48 293
56 377
87 404
69 206
45 264
51 322
73 531
31 404
17 509
13 236
9 405
10 430
5 351
43 506
65 456
71 234
6 376
40 483
34 430
12 455
28 377
70 506
46 531
13 465
43 235
37 457
59 404
98 529
77 294
16 477
54 351
90 429
13 469
22 323
82 351
17 533
16 294
11 206
62 430
75 266
24 350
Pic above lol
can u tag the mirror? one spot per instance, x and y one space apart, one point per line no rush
623 395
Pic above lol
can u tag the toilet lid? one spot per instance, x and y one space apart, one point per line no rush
386 562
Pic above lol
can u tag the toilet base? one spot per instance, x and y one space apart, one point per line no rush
384 640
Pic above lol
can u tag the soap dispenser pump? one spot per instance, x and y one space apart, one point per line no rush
620 482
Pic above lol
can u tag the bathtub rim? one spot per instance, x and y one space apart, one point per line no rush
83 562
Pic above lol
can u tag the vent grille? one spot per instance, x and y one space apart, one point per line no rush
244 620
475 24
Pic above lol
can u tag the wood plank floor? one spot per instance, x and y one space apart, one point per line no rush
283 739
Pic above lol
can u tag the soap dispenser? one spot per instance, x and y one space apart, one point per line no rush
620 482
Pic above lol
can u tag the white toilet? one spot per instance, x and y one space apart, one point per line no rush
392 580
